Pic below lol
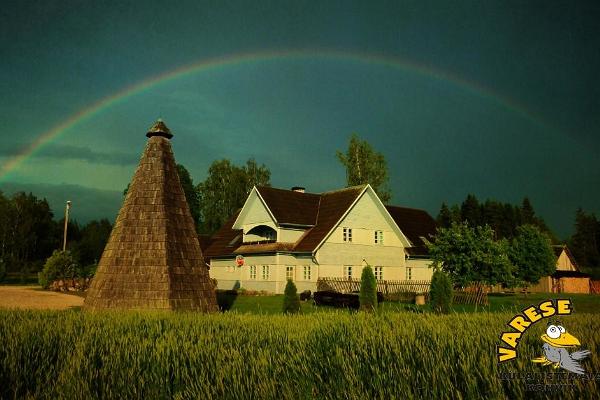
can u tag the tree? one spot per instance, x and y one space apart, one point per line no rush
191 195
441 292
585 242
365 165
531 254
94 236
444 218
225 190
368 290
527 212
291 300
470 211
470 254
60 265
2 270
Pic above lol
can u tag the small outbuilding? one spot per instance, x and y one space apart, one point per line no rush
567 278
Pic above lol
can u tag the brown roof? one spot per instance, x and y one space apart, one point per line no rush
332 207
414 223
289 207
153 259
225 241
322 211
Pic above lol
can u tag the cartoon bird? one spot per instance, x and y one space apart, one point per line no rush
557 340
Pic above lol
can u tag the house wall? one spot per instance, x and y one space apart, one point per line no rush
564 263
229 276
253 214
288 235
575 285
544 285
420 269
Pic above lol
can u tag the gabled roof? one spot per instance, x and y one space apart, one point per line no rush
415 224
558 249
225 241
289 207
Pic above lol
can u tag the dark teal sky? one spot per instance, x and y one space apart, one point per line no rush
442 139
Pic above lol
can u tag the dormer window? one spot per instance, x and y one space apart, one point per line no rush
260 233
347 234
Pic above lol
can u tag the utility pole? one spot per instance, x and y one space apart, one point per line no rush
67 208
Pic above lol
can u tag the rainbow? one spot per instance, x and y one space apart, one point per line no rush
258 57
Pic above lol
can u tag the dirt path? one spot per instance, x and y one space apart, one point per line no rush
33 297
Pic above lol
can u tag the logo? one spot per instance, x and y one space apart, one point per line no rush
556 339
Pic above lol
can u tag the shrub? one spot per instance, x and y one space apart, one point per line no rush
60 265
441 292
291 300
368 290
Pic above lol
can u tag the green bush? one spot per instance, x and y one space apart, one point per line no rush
368 290
60 265
441 292
291 300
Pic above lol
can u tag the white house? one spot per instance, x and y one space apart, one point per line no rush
289 234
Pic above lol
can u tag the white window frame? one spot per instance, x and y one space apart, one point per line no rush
252 271
265 272
307 272
290 272
347 234
379 273
378 237
347 271
409 273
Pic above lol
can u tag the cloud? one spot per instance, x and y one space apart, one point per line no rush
69 152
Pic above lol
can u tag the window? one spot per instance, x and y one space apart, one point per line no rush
408 273
253 272
379 273
307 272
265 272
347 235
289 272
348 271
378 237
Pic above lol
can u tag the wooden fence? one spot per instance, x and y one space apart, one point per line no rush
405 291
391 290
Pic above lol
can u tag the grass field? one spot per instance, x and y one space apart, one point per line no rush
69 354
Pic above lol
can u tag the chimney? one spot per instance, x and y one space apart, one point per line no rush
298 189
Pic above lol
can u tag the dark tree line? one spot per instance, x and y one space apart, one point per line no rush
503 218
585 242
29 234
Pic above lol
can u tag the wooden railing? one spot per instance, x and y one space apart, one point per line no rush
406 290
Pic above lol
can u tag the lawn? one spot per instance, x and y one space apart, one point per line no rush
582 303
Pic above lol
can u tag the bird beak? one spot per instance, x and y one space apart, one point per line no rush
564 340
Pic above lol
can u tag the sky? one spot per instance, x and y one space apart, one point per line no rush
499 99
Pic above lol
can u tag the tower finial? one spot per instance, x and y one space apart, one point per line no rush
159 129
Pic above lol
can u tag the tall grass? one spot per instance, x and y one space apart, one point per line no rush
325 355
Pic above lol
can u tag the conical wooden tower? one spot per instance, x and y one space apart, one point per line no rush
152 259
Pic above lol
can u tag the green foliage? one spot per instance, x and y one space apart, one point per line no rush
75 355
585 242
191 195
92 239
532 255
2 270
440 292
60 265
365 165
291 300
368 290
503 218
471 255
225 190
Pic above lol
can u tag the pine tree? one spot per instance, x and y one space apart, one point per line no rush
470 211
444 218
291 300
440 292
368 290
